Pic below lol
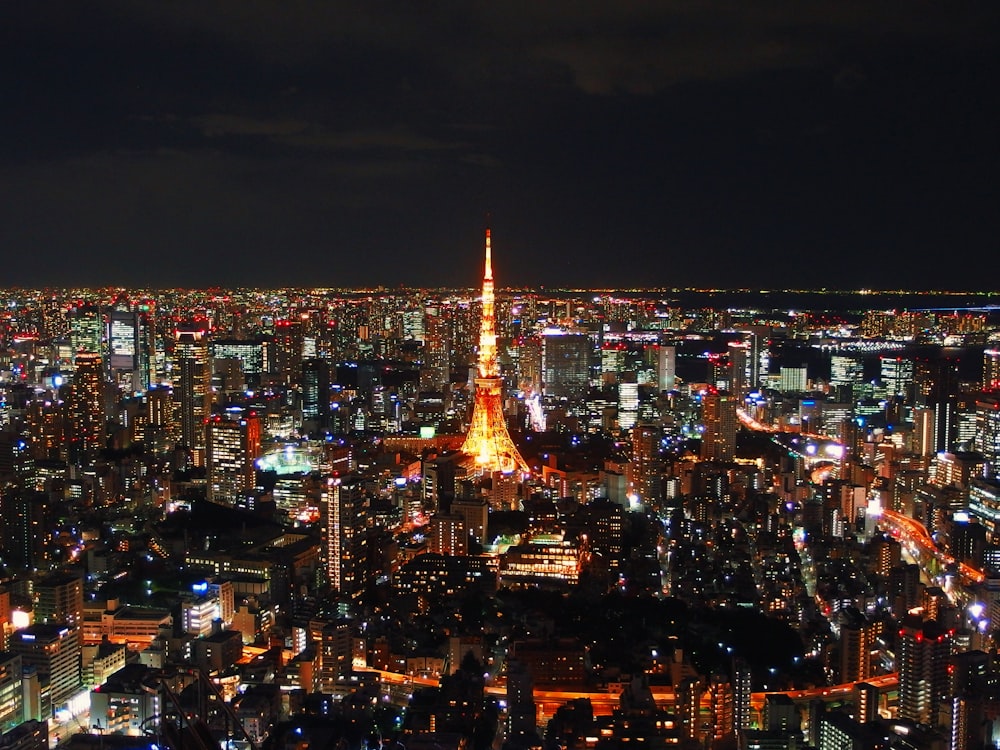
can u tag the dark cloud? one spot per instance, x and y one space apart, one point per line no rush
614 143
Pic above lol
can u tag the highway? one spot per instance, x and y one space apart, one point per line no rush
915 533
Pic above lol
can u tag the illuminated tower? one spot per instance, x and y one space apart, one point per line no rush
487 440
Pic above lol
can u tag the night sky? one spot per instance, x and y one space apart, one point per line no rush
753 143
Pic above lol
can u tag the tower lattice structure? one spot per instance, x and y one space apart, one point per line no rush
487 441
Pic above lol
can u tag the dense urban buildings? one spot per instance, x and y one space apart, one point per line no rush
498 518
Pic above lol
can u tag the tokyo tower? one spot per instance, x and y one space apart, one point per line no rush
487 440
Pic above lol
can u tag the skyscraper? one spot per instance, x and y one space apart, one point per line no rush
991 370
86 407
487 440
316 392
718 442
343 549
565 364
233 445
193 386
924 651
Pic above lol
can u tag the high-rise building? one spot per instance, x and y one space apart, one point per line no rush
923 658
11 698
233 445
316 392
343 550
289 341
474 513
687 706
742 687
54 651
86 329
739 369
192 383
628 402
720 692
59 600
449 535
128 350
666 367
718 441
987 433
565 364
991 370
793 380
897 375
254 355
643 470
936 387
847 374
857 640
487 440
86 407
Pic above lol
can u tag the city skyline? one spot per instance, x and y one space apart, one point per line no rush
838 146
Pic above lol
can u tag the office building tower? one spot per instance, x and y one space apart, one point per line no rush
718 416
254 356
59 600
666 367
628 402
739 369
986 438
343 524
487 441
847 375
923 658
474 513
991 370
86 408
435 370
968 539
86 329
129 350
316 393
192 386
936 388
643 471
719 375
54 651
793 380
758 355
565 364
232 448
449 535
897 376
289 342
11 697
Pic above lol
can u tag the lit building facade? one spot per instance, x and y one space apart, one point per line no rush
233 445
343 551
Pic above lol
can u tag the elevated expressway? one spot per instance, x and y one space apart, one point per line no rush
605 702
